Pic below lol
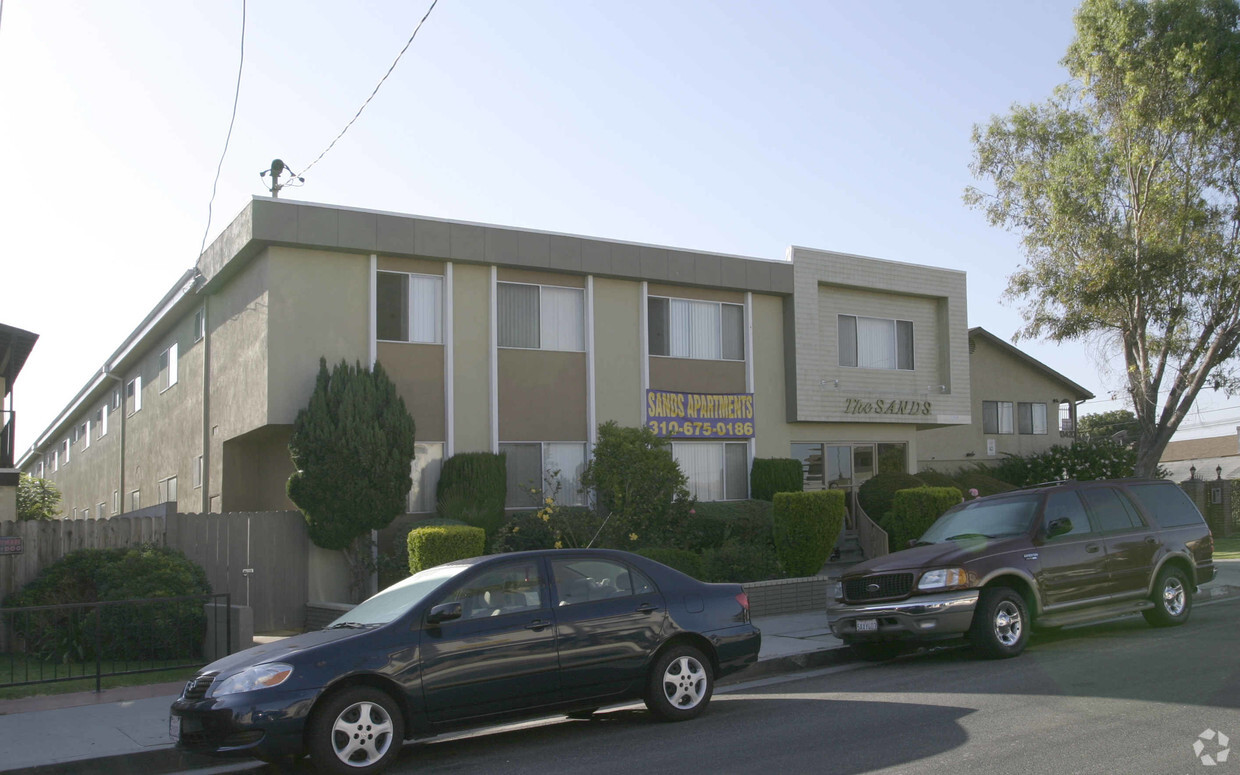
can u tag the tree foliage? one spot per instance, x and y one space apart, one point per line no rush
352 447
37 498
1125 189
1104 425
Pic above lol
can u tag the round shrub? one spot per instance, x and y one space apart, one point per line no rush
877 493
739 563
807 525
682 560
524 531
142 631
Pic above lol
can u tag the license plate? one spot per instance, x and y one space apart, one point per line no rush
174 728
867 625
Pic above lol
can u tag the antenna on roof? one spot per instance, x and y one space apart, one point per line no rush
278 168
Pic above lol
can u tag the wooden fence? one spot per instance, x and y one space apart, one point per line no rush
260 558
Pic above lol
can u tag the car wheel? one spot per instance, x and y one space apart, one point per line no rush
1000 626
680 684
1173 599
360 730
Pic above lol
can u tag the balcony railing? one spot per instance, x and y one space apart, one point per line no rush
8 419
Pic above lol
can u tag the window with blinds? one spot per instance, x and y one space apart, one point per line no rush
538 470
717 471
409 308
875 343
684 328
541 317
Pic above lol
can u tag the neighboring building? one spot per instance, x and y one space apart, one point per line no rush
513 341
15 347
1209 458
1020 407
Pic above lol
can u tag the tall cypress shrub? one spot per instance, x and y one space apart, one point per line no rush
807 525
772 474
472 488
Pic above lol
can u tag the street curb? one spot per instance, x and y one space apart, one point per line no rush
828 657
159 761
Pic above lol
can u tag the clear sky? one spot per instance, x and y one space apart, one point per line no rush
738 127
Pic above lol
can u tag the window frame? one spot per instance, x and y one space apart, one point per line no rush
166 490
168 368
438 336
1030 406
578 498
724 443
133 389
856 344
542 346
667 328
999 417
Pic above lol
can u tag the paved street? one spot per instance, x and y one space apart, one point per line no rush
1119 697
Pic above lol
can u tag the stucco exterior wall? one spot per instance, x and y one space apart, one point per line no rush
542 395
618 351
471 312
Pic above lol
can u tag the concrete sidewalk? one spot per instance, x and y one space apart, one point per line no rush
126 730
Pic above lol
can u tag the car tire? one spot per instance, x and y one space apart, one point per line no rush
359 730
1000 627
1172 598
680 684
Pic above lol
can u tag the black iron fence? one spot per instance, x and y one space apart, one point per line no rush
55 643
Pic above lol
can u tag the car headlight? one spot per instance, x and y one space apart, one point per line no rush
943 578
257 677
837 592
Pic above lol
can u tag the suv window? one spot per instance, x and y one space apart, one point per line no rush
1166 504
1066 504
1112 509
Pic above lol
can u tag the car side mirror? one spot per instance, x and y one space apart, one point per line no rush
444 612
1058 527
911 543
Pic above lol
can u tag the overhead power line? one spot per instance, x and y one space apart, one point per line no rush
228 137
373 93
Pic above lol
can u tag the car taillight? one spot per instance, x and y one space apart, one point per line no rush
743 599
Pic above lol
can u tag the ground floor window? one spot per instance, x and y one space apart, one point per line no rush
717 471
544 469
168 490
424 470
845 465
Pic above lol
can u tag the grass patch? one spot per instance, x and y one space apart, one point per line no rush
1227 548
18 667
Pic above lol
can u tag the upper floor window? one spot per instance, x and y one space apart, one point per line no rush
168 490
409 307
1031 418
541 317
200 325
997 417
85 430
875 343
133 396
683 328
64 451
100 422
168 368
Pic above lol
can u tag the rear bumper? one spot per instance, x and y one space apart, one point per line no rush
924 617
1205 572
735 647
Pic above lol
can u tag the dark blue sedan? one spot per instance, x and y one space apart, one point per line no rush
472 643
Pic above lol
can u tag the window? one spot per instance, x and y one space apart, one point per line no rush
39 469
133 396
427 463
116 501
1032 418
101 422
997 417
168 368
85 513
409 307
116 399
55 460
709 330
198 472
875 343
1167 504
1066 505
584 581
551 470
134 501
168 490
508 589
200 325
716 471
101 509
64 451
1113 510
86 434
541 317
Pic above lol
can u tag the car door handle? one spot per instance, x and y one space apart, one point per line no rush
1151 540
1091 548
538 624
646 608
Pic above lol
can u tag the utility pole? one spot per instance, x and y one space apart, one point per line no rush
278 168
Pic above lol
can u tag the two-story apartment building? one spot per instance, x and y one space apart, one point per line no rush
515 341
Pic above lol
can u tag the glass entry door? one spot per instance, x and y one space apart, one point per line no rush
827 466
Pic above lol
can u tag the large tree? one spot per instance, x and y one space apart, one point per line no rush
1105 425
352 447
1125 189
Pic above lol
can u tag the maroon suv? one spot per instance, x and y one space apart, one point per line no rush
1047 556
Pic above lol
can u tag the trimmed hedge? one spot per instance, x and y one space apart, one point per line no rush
806 527
715 523
472 488
173 630
682 560
915 510
773 474
431 546
877 493
739 562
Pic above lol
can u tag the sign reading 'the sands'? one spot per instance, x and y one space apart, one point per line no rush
699 415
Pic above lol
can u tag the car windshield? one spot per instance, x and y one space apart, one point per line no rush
984 519
398 598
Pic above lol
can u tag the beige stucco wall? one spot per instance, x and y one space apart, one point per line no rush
542 395
996 376
471 311
618 351
8 504
417 372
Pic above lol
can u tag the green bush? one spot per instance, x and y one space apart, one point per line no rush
915 510
877 493
772 475
980 479
738 562
806 527
472 488
431 546
932 478
148 631
682 560
1083 461
714 523
523 532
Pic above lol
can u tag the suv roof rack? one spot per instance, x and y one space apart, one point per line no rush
1051 483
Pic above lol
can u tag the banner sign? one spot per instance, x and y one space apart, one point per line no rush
699 415
10 545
